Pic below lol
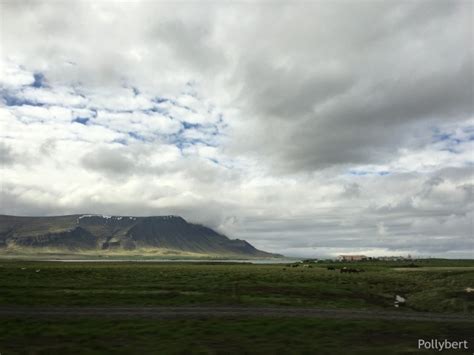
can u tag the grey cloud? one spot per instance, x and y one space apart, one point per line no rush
374 88
468 190
7 157
48 147
12 204
352 190
109 161
190 43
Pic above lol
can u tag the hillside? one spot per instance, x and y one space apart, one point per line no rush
82 233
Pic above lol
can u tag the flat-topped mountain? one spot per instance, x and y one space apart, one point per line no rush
82 233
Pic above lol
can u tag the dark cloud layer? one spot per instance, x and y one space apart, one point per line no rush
352 92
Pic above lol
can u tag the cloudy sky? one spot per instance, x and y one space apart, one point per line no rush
306 128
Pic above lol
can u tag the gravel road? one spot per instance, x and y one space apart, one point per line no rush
208 312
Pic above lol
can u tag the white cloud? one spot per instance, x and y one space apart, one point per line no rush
13 76
28 113
120 100
142 123
56 96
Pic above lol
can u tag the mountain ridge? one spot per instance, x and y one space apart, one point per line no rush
95 232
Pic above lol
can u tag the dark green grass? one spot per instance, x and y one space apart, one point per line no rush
142 284
176 284
224 336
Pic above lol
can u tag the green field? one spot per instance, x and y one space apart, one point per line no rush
223 336
435 286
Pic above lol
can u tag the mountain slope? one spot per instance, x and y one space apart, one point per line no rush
78 233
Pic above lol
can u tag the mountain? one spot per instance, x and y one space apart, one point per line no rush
83 233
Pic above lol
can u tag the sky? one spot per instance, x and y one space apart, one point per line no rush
310 129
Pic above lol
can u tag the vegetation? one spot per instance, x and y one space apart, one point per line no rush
430 285
223 336
435 286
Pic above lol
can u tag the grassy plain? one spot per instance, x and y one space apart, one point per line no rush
224 336
434 286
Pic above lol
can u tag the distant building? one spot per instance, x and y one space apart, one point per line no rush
393 258
351 257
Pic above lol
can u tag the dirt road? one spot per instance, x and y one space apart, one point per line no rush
207 312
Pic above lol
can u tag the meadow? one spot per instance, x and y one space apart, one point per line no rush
224 336
434 286
431 286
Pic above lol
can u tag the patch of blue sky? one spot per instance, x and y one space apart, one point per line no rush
39 80
178 141
451 150
207 140
161 105
358 172
190 133
121 141
205 129
137 136
468 133
159 100
197 141
368 172
121 111
451 141
468 129
157 109
11 99
81 120
187 125
441 136
181 142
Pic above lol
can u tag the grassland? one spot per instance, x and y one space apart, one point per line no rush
435 286
426 289
222 336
